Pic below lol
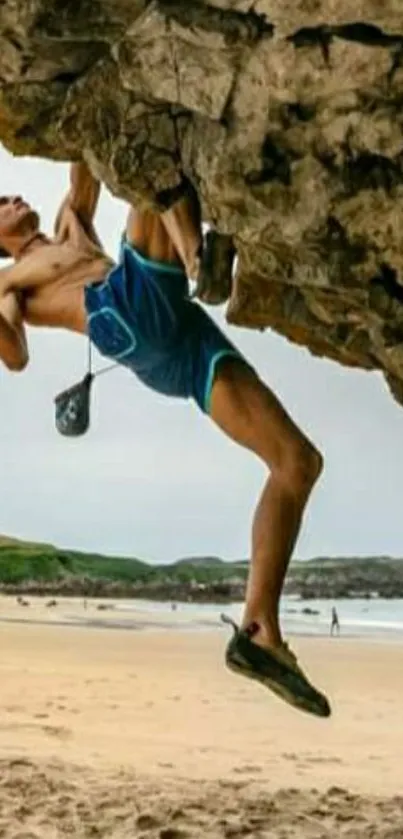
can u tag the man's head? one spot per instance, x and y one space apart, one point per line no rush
19 224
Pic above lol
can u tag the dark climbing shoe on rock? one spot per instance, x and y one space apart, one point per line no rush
214 278
276 669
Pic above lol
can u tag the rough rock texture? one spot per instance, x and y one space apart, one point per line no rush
285 114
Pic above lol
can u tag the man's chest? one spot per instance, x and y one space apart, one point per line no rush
60 302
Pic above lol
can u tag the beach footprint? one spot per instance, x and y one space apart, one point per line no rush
248 769
58 731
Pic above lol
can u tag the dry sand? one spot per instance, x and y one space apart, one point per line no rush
116 733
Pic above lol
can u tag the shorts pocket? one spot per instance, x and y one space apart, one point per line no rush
111 334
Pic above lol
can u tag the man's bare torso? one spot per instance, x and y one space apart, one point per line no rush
53 276
60 302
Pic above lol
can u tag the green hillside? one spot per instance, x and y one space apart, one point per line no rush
44 568
21 561
24 561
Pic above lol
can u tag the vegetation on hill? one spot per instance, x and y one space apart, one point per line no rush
43 568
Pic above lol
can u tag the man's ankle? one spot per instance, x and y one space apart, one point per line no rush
268 633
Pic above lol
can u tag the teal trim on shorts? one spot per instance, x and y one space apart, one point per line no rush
132 339
153 264
211 374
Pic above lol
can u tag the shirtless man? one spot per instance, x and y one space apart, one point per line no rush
139 313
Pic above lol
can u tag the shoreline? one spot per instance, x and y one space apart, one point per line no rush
151 616
134 625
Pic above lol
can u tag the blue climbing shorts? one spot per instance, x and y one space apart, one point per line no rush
141 316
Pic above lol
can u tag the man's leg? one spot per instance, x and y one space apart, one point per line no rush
182 223
248 412
146 232
176 234
208 260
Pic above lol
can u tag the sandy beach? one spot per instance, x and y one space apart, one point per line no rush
118 733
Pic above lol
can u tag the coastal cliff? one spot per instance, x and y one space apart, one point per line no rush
286 117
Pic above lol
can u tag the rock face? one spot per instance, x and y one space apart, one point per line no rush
286 115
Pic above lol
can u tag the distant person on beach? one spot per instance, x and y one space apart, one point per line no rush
139 313
335 623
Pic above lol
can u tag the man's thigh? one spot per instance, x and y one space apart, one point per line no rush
146 232
250 413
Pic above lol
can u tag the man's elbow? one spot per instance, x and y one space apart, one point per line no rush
13 344
17 363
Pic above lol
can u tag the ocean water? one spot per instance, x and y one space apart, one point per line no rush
375 618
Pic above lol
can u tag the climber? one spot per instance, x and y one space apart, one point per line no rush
139 313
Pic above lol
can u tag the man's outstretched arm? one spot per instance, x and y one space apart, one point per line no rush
82 199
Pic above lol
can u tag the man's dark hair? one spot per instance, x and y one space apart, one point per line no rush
4 254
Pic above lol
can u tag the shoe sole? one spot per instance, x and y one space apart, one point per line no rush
219 249
287 696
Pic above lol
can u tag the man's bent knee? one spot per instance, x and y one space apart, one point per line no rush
253 416
301 466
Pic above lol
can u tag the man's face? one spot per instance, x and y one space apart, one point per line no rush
18 223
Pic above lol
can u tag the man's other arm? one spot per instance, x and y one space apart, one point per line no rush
13 340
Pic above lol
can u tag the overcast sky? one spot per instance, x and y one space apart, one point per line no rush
154 478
